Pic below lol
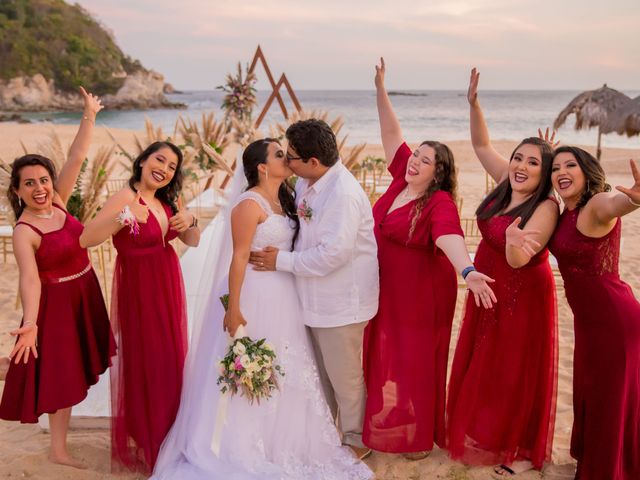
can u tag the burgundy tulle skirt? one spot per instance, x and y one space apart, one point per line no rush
149 316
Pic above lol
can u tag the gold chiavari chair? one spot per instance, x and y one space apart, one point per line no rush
98 256
6 232
471 231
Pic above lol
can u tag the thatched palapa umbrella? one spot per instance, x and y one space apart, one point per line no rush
624 119
591 109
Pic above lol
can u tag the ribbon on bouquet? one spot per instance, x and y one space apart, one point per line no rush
223 405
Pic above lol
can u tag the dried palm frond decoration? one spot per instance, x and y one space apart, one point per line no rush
209 133
152 134
90 191
202 145
350 156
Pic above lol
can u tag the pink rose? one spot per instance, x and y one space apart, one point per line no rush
238 364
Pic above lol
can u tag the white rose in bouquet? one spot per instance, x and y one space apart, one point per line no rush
239 348
245 361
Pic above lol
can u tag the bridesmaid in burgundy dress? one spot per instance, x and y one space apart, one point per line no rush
148 307
420 248
606 368
65 340
501 403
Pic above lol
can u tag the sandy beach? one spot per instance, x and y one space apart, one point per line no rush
23 448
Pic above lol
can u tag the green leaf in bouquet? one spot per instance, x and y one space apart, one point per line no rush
224 299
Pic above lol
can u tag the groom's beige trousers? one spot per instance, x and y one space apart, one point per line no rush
338 353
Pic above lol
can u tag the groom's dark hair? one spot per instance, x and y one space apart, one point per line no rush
313 138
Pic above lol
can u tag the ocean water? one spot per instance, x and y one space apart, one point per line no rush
430 114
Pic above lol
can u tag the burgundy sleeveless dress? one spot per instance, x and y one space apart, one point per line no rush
606 364
148 312
502 390
75 342
406 344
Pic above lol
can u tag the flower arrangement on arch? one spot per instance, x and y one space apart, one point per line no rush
240 98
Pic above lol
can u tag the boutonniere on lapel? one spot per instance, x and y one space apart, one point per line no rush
305 211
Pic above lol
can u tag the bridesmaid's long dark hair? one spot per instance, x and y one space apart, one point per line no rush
169 193
14 182
254 155
500 197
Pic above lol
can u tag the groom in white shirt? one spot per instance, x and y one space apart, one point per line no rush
336 267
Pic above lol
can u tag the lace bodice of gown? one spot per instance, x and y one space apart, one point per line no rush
578 254
276 231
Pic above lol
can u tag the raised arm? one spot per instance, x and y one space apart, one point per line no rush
495 164
24 248
79 148
244 221
106 224
604 208
389 126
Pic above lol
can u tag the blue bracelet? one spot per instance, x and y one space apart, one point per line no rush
467 271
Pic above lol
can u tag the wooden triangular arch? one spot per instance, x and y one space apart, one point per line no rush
276 86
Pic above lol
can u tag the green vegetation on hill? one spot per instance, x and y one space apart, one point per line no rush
62 42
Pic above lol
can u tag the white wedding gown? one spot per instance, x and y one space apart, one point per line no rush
289 436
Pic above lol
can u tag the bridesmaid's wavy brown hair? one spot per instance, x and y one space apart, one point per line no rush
444 178
592 170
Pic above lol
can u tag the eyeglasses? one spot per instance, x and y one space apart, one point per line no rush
289 158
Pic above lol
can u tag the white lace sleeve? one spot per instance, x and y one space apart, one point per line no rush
256 197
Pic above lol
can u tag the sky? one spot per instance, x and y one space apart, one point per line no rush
334 44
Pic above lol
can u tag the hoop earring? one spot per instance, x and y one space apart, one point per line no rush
21 202
588 186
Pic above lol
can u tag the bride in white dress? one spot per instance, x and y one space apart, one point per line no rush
291 435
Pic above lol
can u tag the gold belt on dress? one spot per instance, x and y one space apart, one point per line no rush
72 277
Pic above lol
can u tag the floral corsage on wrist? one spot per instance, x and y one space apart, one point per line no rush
305 211
126 218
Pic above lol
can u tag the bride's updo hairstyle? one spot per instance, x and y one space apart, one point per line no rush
255 154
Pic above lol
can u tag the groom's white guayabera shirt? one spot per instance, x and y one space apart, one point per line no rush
336 257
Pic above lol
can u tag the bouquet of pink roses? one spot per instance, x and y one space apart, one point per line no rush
248 367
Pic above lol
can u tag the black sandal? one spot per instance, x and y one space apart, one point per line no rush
497 470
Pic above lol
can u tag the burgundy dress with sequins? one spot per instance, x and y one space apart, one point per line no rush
606 366
406 344
148 312
502 390
75 342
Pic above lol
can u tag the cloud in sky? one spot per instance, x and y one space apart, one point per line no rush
332 44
